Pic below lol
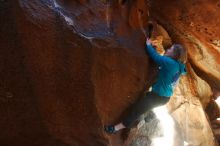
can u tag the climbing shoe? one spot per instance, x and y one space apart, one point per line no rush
110 129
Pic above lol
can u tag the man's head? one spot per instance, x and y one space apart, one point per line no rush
177 52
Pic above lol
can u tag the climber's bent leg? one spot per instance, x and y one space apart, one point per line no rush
143 104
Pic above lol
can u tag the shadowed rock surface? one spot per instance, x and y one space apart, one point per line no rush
69 67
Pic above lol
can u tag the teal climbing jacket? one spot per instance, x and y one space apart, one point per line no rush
169 72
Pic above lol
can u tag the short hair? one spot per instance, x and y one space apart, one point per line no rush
180 53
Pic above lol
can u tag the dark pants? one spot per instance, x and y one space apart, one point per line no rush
142 105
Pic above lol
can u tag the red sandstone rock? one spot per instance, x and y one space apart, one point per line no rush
68 67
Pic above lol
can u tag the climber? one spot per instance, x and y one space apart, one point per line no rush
171 66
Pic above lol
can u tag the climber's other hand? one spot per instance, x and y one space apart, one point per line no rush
148 41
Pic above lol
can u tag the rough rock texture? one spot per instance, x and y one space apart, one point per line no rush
69 67
194 24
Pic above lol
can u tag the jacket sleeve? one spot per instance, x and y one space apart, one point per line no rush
183 70
157 58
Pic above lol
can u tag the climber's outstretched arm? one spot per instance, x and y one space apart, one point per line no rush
157 58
